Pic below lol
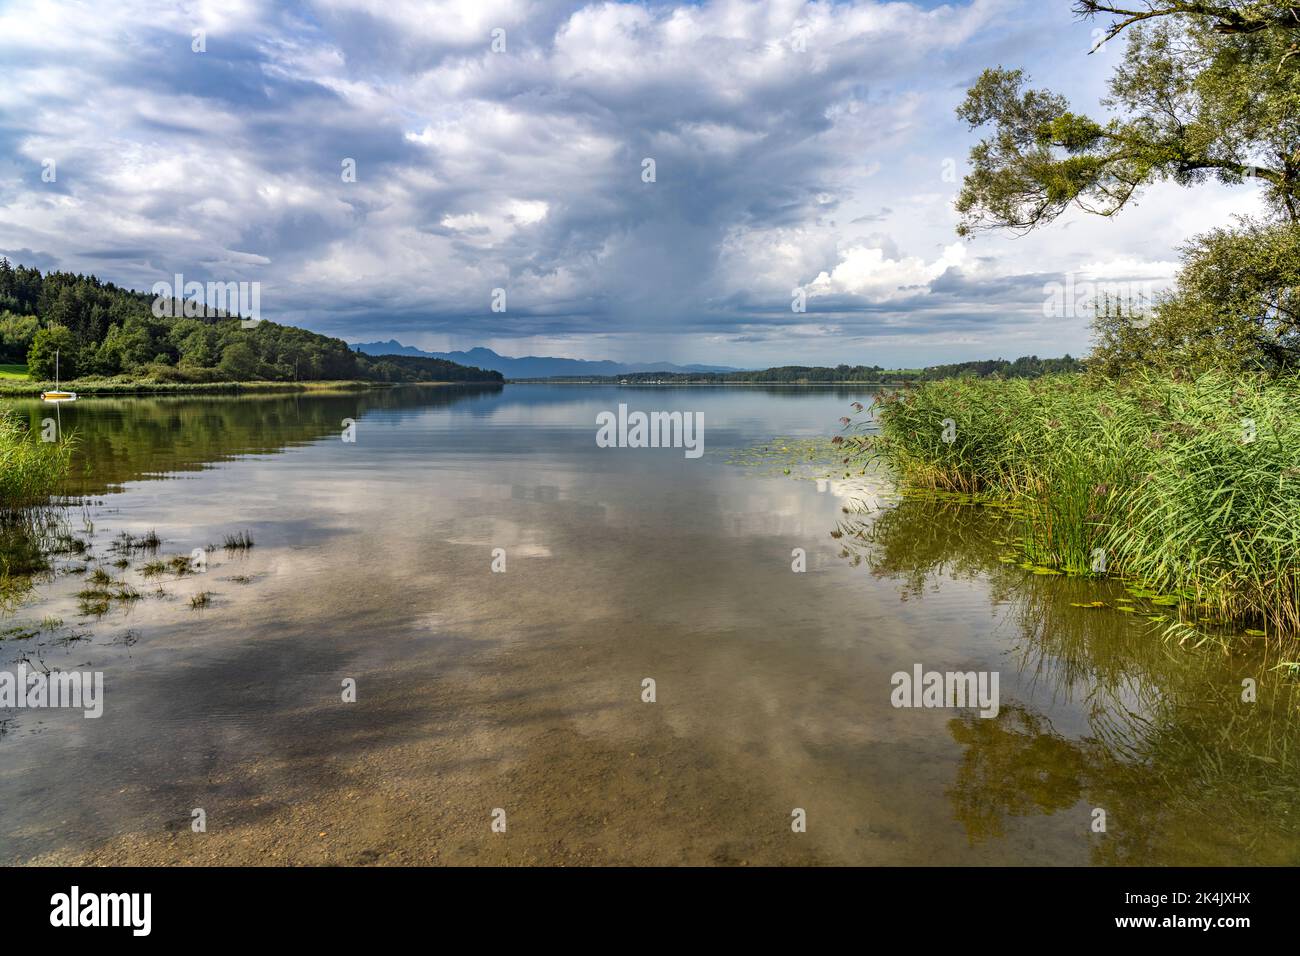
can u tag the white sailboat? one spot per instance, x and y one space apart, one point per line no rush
58 395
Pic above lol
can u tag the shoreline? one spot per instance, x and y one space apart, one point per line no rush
543 381
34 389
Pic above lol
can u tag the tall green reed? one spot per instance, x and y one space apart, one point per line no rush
30 470
30 474
1191 485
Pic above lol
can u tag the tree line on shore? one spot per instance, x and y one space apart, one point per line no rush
1027 366
101 330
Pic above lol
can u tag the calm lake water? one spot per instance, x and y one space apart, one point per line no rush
522 691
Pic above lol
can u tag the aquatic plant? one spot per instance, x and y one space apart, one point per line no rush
238 542
30 470
126 542
1188 485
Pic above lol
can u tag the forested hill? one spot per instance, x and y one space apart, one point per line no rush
100 329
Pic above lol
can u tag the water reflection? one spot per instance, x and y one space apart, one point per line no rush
126 439
1184 768
481 689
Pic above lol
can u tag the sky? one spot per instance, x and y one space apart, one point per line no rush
503 145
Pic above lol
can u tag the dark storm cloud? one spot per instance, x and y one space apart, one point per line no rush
519 170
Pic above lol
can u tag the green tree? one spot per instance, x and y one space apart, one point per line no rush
238 362
41 355
195 343
1204 90
133 345
16 334
1237 306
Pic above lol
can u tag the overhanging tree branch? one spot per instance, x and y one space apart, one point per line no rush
1225 18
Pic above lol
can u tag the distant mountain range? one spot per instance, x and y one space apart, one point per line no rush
532 366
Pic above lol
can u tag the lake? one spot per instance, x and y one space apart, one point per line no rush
497 592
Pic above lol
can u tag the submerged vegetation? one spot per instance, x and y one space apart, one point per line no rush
34 532
21 557
1188 486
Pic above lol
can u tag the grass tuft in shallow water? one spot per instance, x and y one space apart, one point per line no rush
241 541
30 469
127 542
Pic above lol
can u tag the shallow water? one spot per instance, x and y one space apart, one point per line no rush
522 691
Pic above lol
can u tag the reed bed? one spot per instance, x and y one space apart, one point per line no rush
1190 486
30 470
30 474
